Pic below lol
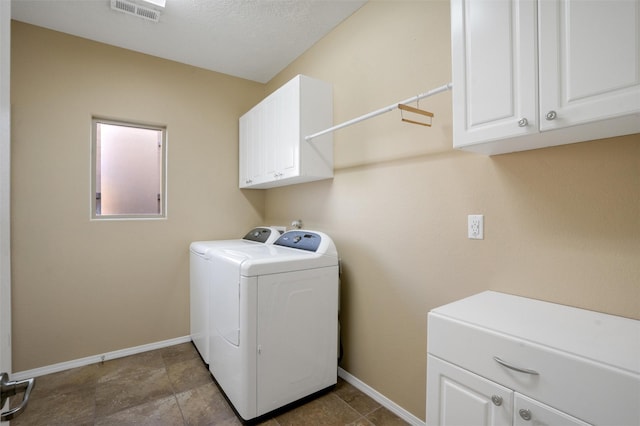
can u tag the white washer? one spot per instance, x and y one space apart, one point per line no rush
275 321
201 277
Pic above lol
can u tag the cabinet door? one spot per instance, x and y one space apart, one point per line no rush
281 118
589 61
247 130
252 165
531 412
494 67
243 152
458 397
271 137
287 121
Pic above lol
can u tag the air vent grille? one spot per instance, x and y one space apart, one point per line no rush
134 9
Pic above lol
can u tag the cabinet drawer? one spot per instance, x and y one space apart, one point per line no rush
528 411
591 391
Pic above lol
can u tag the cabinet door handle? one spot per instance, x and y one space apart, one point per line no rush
525 414
523 122
497 400
551 115
516 368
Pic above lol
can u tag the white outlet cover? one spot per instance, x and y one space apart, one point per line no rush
475 227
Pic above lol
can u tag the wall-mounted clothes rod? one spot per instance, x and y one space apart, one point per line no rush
432 92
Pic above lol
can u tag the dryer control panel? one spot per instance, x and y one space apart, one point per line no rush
303 240
259 234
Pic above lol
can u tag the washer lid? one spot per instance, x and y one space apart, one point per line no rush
257 236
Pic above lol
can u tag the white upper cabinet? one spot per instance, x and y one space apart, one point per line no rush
494 69
589 57
273 149
529 74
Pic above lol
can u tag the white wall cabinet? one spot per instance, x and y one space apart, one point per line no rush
273 151
558 365
529 74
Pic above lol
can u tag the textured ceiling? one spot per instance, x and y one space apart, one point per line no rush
252 39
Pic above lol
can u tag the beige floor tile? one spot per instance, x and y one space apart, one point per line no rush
69 380
188 374
179 353
71 407
384 417
159 412
356 399
361 422
129 366
269 422
205 405
138 387
326 410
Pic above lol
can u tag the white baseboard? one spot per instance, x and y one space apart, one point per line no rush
378 397
67 365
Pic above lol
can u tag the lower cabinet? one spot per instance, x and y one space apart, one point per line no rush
461 398
499 359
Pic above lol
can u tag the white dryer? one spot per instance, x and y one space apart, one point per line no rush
275 321
201 280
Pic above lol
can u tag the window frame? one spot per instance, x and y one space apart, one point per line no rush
162 215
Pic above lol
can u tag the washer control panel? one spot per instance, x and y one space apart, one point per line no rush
303 240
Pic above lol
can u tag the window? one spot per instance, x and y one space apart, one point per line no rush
128 170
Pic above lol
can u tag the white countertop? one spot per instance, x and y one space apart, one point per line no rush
608 339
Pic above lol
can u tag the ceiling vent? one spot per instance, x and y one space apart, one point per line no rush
149 10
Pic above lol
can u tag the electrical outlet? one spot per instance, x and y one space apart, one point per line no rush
475 226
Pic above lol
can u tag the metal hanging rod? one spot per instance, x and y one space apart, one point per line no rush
432 92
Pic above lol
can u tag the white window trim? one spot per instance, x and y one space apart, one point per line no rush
163 215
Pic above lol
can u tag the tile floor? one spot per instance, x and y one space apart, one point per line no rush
172 386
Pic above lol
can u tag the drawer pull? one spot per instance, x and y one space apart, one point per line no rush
513 367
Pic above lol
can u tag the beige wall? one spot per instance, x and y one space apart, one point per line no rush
561 224
82 287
